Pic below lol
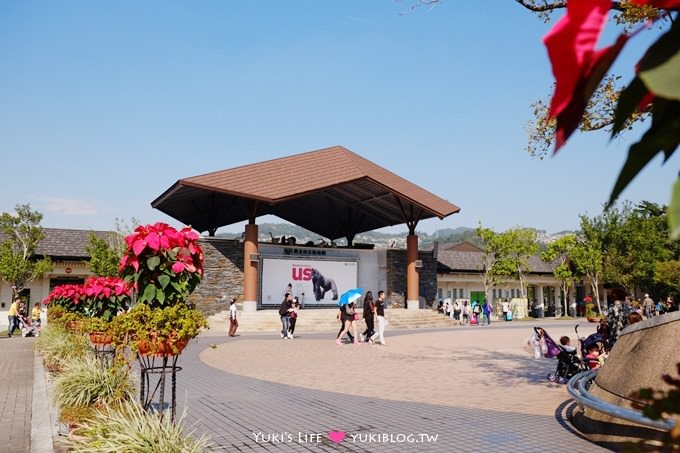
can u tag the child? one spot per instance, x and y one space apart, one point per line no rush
566 344
592 357
536 340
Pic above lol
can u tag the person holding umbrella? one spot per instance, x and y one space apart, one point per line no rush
348 312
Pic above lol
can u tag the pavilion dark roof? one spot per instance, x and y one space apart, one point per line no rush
332 192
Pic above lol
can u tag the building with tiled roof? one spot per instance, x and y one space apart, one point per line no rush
66 249
459 276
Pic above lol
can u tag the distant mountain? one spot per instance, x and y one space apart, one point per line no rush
381 240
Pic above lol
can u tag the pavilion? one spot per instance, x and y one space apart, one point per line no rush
332 192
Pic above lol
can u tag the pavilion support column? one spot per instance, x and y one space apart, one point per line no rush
412 277
250 268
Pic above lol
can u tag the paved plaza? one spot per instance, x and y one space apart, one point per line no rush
463 389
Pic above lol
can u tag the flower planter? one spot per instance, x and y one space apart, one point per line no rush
593 319
162 348
74 326
100 338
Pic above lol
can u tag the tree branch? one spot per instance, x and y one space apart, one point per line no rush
546 6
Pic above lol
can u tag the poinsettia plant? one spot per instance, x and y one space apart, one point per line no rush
579 67
69 296
104 297
162 264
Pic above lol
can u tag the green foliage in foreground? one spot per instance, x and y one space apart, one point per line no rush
130 429
88 382
58 347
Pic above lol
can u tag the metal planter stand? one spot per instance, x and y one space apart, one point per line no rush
152 391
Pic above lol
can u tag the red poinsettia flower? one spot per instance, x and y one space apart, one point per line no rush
577 66
164 264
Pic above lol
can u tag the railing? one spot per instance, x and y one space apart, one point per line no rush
578 389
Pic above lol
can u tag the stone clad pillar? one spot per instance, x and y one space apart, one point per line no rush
250 268
412 277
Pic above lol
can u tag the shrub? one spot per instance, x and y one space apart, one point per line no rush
130 429
58 347
88 382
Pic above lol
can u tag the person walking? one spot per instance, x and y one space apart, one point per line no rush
13 317
487 309
348 315
466 313
284 313
382 320
369 316
648 306
233 322
505 306
456 310
617 315
341 320
293 316
35 318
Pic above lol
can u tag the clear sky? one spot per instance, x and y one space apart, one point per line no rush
104 105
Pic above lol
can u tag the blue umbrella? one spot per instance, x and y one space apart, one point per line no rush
350 296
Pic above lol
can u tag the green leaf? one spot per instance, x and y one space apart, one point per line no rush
149 293
664 80
164 280
629 99
662 136
674 212
152 262
662 50
160 296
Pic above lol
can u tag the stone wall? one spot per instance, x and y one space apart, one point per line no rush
223 278
396 277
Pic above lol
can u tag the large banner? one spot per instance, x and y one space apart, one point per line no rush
315 282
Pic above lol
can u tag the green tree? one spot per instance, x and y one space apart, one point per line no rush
104 254
19 264
105 251
517 245
667 278
559 251
494 267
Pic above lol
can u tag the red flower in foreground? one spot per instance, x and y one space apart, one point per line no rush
164 264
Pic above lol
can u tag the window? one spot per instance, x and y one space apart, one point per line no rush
448 294
440 293
455 293
461 293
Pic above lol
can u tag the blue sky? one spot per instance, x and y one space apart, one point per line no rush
104 105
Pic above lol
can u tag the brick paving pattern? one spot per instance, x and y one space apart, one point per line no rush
455 390
474 388
16 393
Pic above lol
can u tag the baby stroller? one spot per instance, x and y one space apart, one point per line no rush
568 361
586 343
26 326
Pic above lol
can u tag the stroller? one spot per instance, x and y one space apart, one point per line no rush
598 340
568 362
27 327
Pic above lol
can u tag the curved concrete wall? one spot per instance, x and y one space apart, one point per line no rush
643 352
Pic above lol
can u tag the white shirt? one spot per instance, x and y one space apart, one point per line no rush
232 311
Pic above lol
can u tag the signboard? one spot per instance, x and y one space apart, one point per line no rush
315 282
